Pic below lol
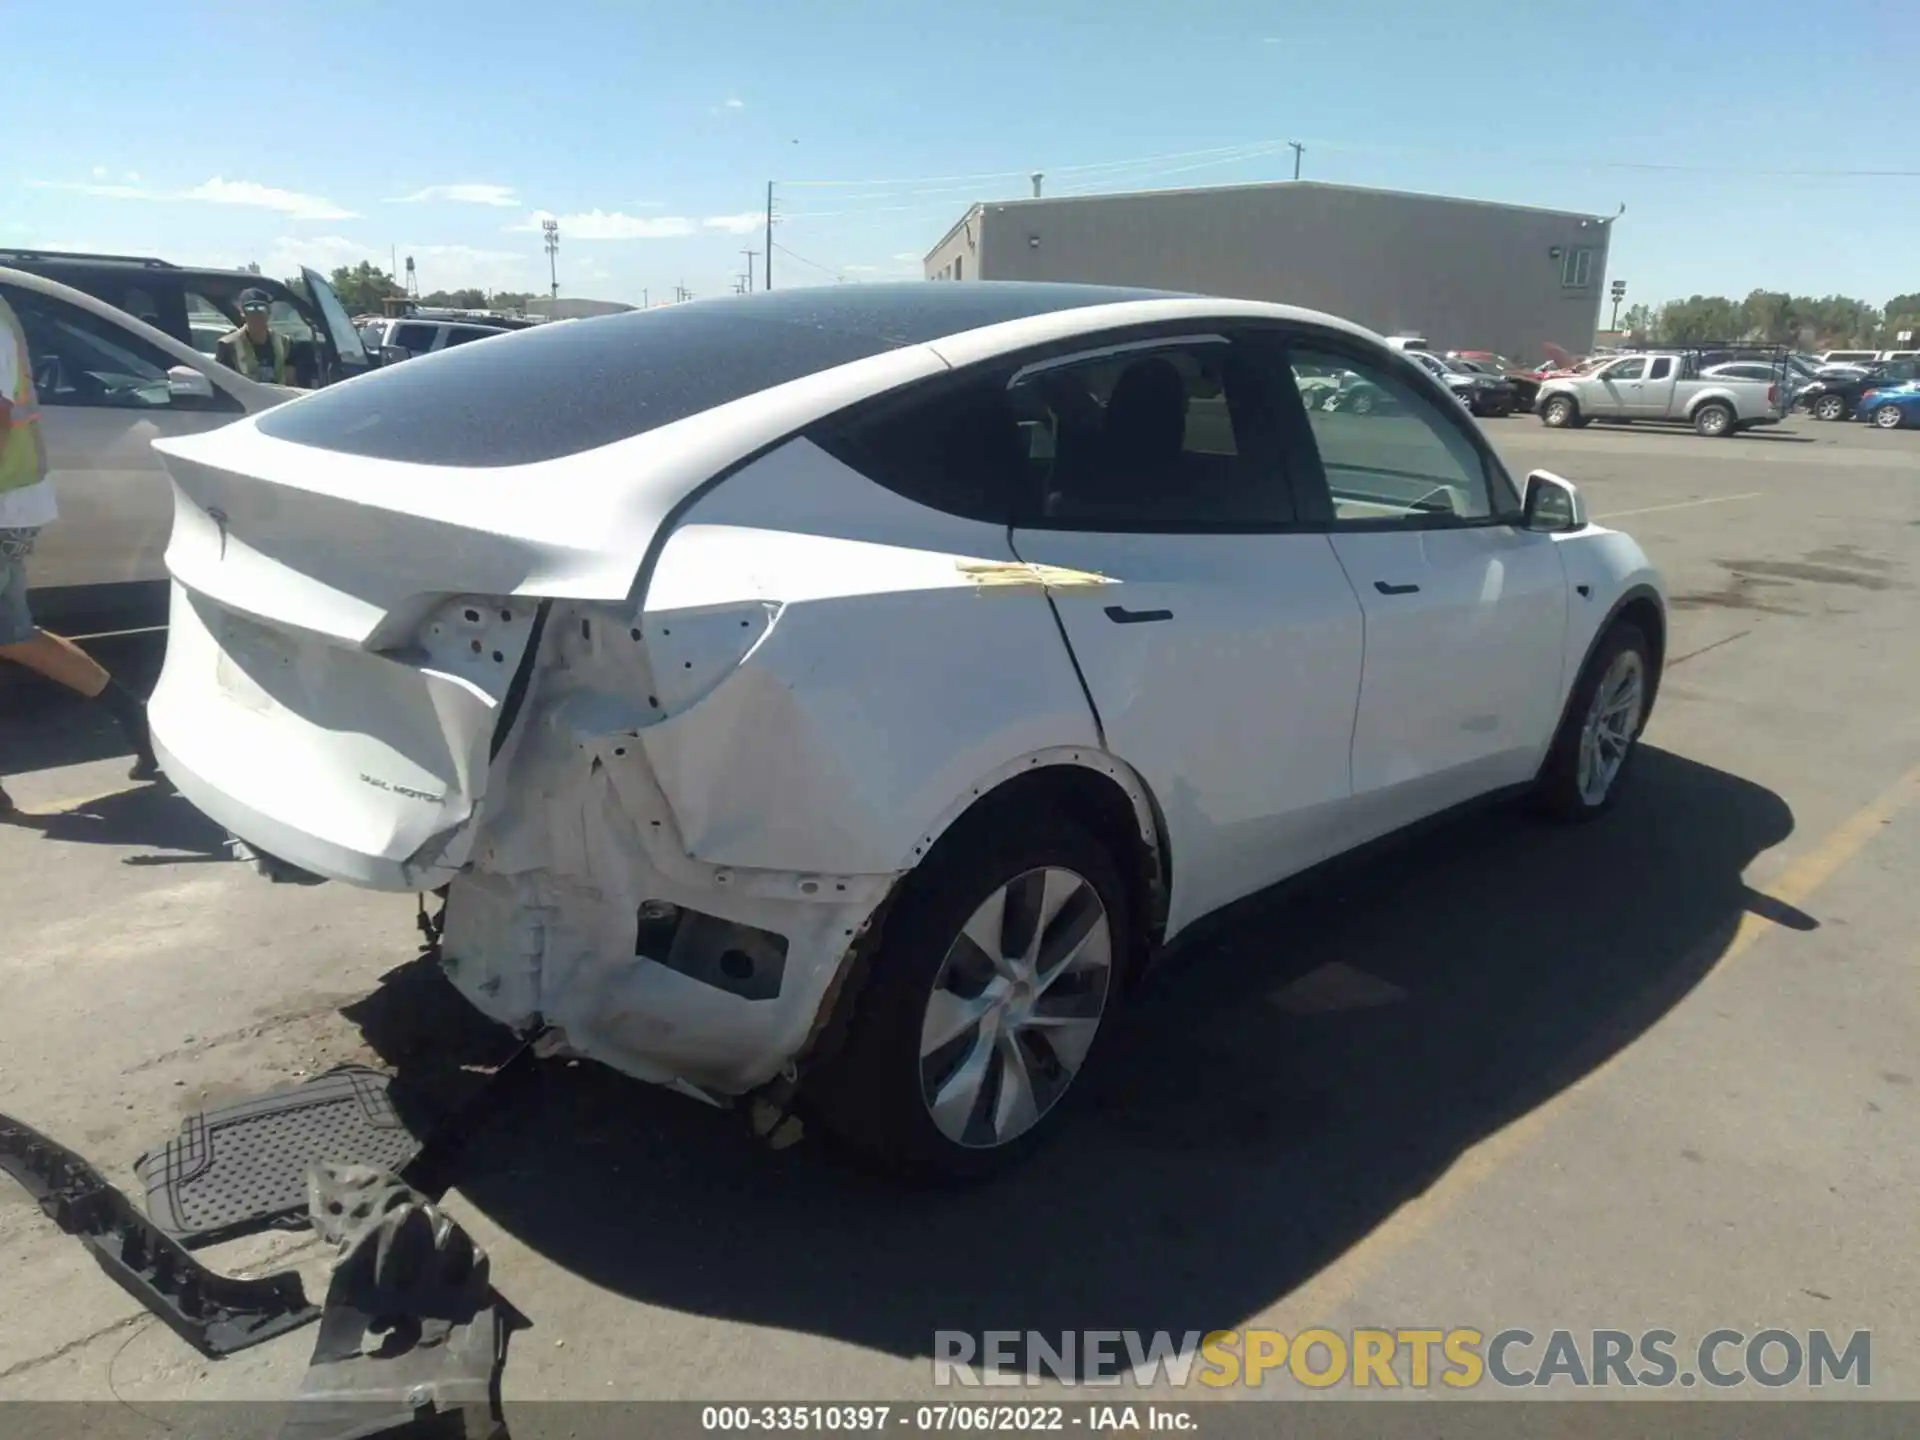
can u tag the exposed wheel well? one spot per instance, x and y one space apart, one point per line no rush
1644 612
1101 805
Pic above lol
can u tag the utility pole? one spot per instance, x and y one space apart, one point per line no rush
749 254
551 230
643 298
1298 150
769 269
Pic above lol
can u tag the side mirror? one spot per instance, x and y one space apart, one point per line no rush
1552 505
186 383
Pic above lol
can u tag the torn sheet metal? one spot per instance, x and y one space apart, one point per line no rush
411 1330
216 1314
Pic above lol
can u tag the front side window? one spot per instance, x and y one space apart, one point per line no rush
1634 369
81 359
1397 459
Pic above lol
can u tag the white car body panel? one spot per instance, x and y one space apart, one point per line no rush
759 686
1462 676
1266 628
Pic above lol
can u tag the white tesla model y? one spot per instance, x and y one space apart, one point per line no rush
847 691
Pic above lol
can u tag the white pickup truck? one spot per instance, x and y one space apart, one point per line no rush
1663 386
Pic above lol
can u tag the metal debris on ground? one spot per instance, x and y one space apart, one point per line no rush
244 1166
412 1330
216 1314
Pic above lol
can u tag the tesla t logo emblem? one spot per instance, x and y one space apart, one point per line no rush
219 517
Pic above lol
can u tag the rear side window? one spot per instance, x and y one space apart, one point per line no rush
417 338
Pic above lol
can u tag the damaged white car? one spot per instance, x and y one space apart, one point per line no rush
844 692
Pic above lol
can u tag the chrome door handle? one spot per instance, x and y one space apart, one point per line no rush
1120 615
1385 589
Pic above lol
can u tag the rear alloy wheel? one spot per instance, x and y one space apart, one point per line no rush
1888 417
1830 407
1559 412
1713 420
1361 404
1597 738
987 1000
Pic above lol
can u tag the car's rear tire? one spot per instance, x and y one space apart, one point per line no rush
958 1057
1560 412
1592 752
1714 420
1361 404
1830 407
1888 417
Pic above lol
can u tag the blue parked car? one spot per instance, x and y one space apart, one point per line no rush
1891 406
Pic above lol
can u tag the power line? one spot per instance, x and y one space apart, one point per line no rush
824 270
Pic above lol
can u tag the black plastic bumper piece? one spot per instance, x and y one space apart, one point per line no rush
216 1314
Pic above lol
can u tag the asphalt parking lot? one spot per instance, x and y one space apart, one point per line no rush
1655 1071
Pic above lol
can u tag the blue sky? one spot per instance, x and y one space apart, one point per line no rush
213 131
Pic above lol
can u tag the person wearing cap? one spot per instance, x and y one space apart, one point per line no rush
26 508
256 350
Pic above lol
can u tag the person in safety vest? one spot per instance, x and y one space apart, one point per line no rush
26 508
257 352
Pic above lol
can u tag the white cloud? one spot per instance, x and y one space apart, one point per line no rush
246 192
745 223
132 177
217 191
501 195
609 225
99 172
907 257
860 269
734 103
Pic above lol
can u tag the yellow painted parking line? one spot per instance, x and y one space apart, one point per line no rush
1682 505
1794 886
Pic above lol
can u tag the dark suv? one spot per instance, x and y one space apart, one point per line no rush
198 306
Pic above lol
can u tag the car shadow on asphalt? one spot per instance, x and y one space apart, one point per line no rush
1276 1095
147 817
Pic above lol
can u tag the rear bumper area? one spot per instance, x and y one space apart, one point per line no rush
337 760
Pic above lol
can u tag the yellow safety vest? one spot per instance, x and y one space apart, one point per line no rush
23 453
249 361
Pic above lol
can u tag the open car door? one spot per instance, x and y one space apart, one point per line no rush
350 356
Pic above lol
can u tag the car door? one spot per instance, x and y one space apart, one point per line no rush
1655 389
1465 613
105 396
1222 659
1620 388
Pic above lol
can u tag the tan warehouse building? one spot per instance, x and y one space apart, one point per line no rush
1466 274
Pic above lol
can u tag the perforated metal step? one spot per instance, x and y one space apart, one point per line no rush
244 1167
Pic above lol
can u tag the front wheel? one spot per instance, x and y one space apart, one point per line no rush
1888 417
1559 412
1597 738
1830 407
995 977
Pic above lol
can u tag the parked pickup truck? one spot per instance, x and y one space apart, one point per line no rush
1663 386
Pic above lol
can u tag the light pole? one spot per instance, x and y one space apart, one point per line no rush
1619 288
551 230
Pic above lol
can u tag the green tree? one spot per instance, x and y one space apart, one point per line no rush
362 287
1699 318
1903 313
1641 322
511 299
457 299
